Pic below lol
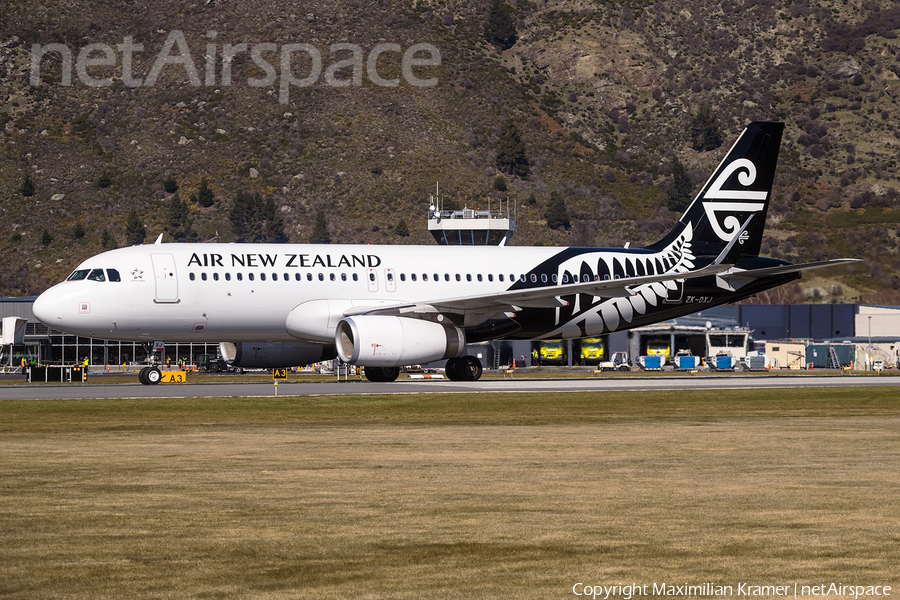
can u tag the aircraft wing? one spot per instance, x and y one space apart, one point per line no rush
550 296
538 297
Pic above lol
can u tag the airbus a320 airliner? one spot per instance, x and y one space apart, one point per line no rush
382 307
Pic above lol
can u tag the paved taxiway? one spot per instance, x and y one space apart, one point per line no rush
252 389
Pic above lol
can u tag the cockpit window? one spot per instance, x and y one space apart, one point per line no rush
78 275
113 275
96 275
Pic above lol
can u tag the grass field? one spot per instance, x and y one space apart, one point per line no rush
448 495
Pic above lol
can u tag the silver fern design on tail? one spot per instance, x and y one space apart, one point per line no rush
592 315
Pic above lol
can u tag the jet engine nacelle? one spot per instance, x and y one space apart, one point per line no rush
385 341
272 355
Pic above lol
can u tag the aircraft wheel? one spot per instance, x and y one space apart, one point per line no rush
373 374
142 375
153 376
452 370
382 374
391 373
469 369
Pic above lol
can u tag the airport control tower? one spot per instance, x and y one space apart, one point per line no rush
470 226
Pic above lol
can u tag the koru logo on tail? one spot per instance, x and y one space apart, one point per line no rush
721 213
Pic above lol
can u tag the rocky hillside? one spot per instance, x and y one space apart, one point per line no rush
607 97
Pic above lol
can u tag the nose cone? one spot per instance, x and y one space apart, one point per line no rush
48 308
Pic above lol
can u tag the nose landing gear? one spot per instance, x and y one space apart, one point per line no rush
150 375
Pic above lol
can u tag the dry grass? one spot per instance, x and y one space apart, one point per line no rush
453 496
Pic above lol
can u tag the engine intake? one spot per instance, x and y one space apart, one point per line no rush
385 341
273 355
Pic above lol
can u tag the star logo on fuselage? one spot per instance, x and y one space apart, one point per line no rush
137 274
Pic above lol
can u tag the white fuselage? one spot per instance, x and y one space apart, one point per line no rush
245 292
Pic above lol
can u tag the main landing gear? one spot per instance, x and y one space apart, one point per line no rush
150 375
382 374
464 368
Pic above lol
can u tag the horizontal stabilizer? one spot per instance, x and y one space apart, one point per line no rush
784 269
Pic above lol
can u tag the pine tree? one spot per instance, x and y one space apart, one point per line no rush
135 232
204 196
680 195
557 214
179 221
27 188
500 30
107 240
256 220
46 238
170 185
706 133
273 227
511 157
320 233
401 228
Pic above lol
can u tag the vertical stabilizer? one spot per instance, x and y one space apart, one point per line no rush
739 189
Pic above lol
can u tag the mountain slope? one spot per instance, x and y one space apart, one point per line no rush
604 95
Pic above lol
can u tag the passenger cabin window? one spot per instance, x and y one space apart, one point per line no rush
203 276
192 277
240 276
215 276
250 276
96 275
113 275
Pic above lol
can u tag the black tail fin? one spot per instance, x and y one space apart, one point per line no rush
739 189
